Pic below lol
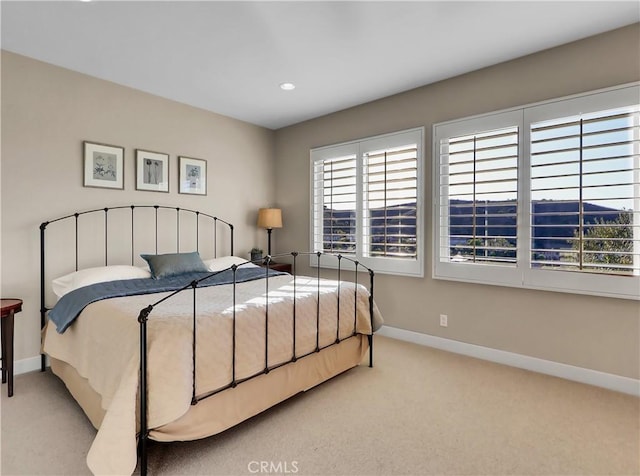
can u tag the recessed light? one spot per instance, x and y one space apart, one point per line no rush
287 86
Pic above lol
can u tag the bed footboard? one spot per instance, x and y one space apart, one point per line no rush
193 287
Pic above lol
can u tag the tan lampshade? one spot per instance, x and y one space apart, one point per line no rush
270 218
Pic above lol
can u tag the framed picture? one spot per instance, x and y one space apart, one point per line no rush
152 171
103 165
193 176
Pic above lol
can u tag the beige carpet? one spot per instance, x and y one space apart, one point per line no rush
419 411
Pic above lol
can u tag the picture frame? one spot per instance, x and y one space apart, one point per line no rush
192 176
152 171
103 165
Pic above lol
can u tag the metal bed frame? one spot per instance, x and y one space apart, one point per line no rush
143 435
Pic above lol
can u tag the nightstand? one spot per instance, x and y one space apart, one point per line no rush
9 308
286 267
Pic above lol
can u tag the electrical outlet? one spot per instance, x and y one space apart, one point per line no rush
443 320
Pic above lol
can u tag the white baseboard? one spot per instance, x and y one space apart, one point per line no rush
569 372
26 365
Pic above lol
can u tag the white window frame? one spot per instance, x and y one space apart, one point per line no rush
523 275
384 265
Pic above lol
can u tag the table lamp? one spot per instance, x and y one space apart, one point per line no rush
269 218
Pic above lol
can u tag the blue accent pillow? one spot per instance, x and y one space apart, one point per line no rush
173 264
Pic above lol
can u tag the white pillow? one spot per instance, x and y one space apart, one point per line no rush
219 264
85 277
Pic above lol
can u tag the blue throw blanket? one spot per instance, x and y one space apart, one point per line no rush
71 304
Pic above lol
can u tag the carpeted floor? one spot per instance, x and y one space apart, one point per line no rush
419 411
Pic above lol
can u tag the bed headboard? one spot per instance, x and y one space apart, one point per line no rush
117 235
200 221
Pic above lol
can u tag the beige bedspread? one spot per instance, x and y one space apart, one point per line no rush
103 346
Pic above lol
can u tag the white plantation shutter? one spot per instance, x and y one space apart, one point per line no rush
366 201
479 192
476 209
335 229
585 177
390 202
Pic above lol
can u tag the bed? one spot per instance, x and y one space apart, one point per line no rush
186 355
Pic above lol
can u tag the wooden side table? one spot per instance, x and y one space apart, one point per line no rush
286 267
9 308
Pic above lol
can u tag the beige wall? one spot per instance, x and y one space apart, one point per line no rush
591 332
46 114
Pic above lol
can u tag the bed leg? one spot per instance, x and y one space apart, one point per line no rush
143 455
144 430
371 275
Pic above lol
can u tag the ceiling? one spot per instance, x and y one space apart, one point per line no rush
230 57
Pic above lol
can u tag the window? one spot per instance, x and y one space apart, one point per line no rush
546 196
366 201
336 178
582 192
482 172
